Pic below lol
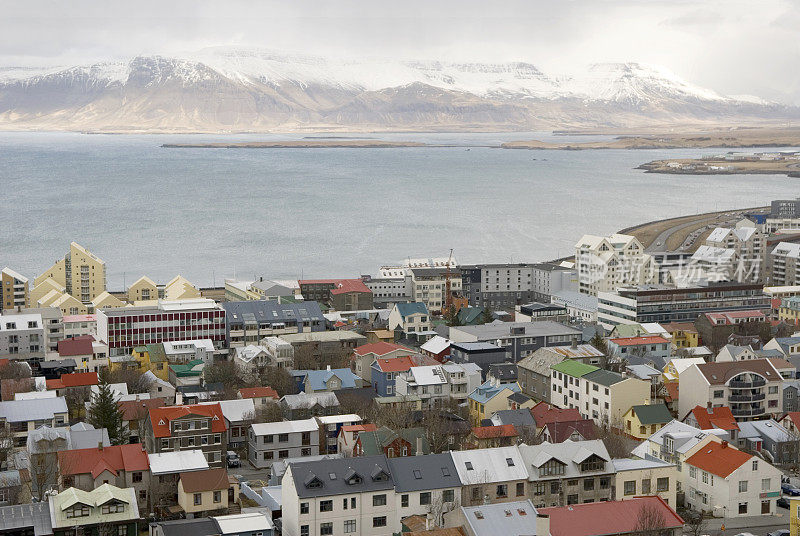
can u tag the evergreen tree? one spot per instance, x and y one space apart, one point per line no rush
599 342
104 412
487 316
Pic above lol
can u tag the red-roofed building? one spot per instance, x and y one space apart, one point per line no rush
715 329
89 354
124 466
338 294
484 437
75 382
671 396
791 421
611 517
348 434
709 418
645 346
543 413
719 475
261 395
366 354
558 432
187 428
134 415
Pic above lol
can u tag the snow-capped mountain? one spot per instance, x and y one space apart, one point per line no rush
225 88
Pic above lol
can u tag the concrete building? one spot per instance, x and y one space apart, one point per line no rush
785 208
14 291
496 475
80 272
262 289
520 339
269 442
386 291
534 372
425 484
783 268
22 338
338 294
580 307
483 354
250 321
23 416
124 328
604 264
516 518
434 384
429 284
504 286
635 477
749 246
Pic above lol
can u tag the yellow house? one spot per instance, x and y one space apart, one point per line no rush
789 310
143 289
794 518
80 272
488 398
68 304
107 300
179 288
684 334
143 358
673 369
206 491
43 288
645 420
636 477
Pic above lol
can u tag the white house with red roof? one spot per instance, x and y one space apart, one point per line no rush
726 482
644 346
179 428
709 418
366 354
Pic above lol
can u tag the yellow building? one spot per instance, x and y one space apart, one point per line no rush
789 310
68 304
14 290
143 358
107 300
179 288
645 420
144 289
487 399
794 519
43 288
81 273
636 477
684 334
206 491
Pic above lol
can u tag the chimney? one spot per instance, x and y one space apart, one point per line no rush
542 525
100 445
724 444
419 446
574 344
329 368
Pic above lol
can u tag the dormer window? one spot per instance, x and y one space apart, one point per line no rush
510 462
312 481
352 478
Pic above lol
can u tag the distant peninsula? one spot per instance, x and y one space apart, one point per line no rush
299 144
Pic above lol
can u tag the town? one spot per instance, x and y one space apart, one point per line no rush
625 389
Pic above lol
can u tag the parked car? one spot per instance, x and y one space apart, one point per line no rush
790 489
783 502
779 532
233 459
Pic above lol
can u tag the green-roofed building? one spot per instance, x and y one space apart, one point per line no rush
188 373
644 420
571 367
392 443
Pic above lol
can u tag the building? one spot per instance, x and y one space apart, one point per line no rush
635 477
714 418
23 416
534 312
325 344
534 371
365 355
338 294
436 347
261 396
410 318
303 406
785 208
22 338
52 323
261 289
621 518
727 482
749 245
434 384
495 435
715 329
580 307
568 473
429 284
334 497
79 325
642 421
498 286
269 442
425 484
384 373
80 273
249 524
636 305
386 291
392 443
248 322
89 355
519 339
653 347
777 444
14 290
107 507
496 475
783 269
148 357
503 373
125 328
516 518
751 388
488 398
605 263
188 428
483 354
317 381
201 493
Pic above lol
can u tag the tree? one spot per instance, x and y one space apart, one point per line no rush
228 374
132 378
649 521
15 370
599 342
617 445
696 523
277 378
487 317
104 412
451 316
310 356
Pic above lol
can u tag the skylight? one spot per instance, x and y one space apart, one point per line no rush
468 466
417 474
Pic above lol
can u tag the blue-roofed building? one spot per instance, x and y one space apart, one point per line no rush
318 381
410 318
788 346
247 322
488 398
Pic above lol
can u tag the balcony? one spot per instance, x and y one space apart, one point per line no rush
749 412
747 398
735 384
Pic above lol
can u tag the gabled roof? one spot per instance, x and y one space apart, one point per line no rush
487 391
75 379
395 364
718 458
436 345
208 480
94 461
137 409
519 418
380 348
75 346
652 414
419 473
607 517
561 431
303 400
570 453
544 413
318 379
501 464
721 417
495 431
373 442
161 417
258 392
32 409
718 373
342 476
407 309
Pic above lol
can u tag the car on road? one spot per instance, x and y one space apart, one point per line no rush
790 489
233 459
783 502
779 532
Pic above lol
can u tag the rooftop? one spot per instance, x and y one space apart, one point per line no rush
719 458
605 518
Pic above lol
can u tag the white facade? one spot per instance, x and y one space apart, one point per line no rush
269 442
607 263
22 337
437 383
185 351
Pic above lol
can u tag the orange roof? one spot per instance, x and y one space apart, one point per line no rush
95 460
607 517
396 364
380 348
544 413
161 417
258 392
359 428
489 432
708 418
635 341
76 379
719 458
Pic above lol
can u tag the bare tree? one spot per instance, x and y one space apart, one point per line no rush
650 521
228 374
133 379
618 445
15 370
696 523
277 378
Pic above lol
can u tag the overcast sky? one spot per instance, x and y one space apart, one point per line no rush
732 46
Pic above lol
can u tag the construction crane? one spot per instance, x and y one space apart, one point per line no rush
448 297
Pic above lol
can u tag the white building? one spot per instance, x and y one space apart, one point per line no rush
491 475
185 351
783 266
272 441
750 247
579 306
22 337
607 263
437 383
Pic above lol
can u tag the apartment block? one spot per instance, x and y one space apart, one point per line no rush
387 291
429 285
180 428
22 337
604 264
14 290
338 294
250 321
273 441
749 245
783 268
80 272
519 339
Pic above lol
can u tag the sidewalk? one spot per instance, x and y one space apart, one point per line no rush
740 524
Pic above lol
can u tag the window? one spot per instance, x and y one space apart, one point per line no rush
572 499
379 500
743 486
112 508
692 471
326 506
352 503
662 484
755 465
704 478
719 394
325 529
554 485
379 521
476 493
283 438
283 454
630 487
588 484
424 498
136 476
552 467
217 496
773 389
404 500
198 499
448 496
349 526
645 486
502 490
605 482
520 489
766 483
303 530
304 508
742 508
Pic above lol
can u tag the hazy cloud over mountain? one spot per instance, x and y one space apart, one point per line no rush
734 47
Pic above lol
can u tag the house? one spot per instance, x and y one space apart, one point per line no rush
503 373
578 430
791 421
107 507
134 416
15 487
684 335
488 398
340 496
727 482
249 321
165 470
436 347
643 420
123 466
437 383
346 440
23 416
272 441
409 318
612 517
204 492
636 477
709 418
788 346
521 419
751 388
188 428
325 345
159 388
318 381
653 347
385 371
329 427
518 400
516 518
89 354
28 518
392 443
674 367
568 473
189 350
238 414
77 383
303 406
425 484
338 294
484 354
774 442
365 355
716 328
544 413
490 475
261 396
520 339
185 374
248 524
495 435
